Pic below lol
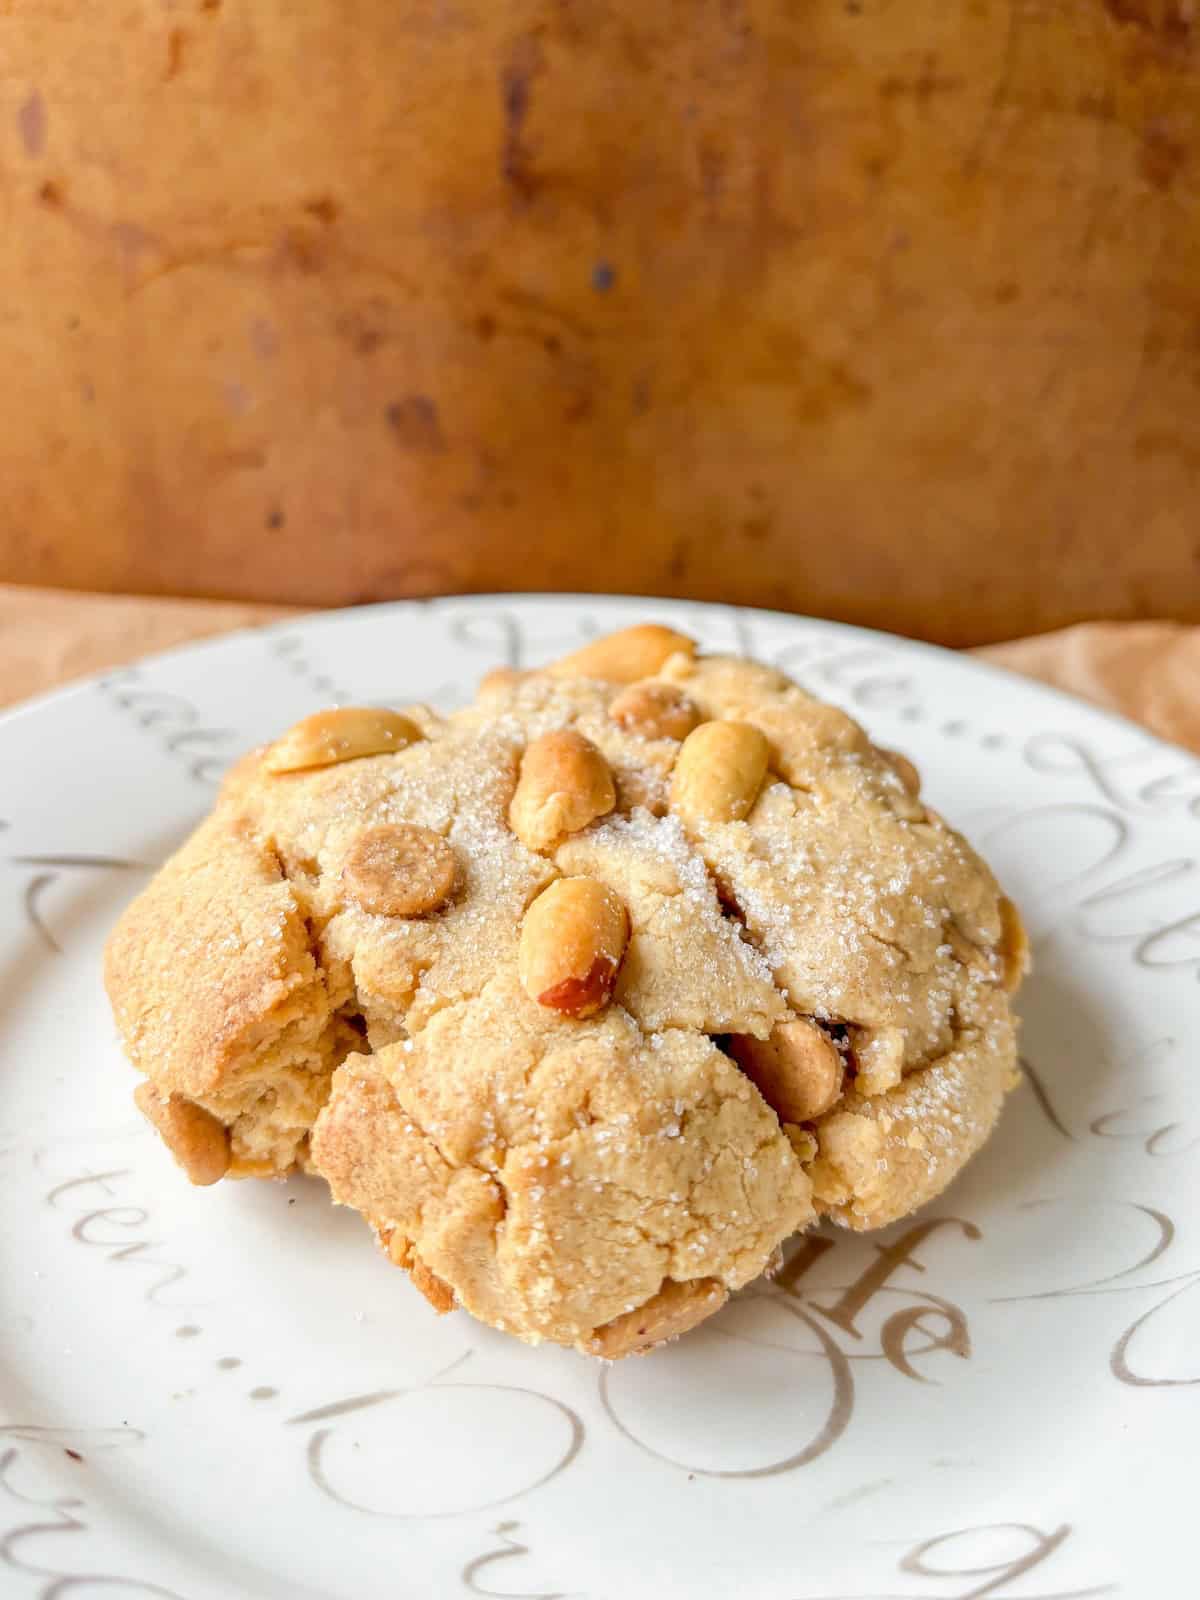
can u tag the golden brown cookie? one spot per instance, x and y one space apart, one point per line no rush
587 996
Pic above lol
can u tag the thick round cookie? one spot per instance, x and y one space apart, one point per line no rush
586 996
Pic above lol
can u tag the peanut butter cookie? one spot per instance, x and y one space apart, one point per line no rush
587 996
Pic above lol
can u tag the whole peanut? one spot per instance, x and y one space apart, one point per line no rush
344 733
797 1070
654 709
572 941
564 783
199 1143
626 656
1014 946
675 1309
719 771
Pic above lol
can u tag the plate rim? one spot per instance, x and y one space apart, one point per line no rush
1116 720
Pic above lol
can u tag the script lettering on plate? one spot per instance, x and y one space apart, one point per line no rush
1180 1301
174 724
969 1555
509 1549
31 1545
118 1230
870 1317
347 1478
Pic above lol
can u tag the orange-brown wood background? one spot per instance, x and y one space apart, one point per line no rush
881 309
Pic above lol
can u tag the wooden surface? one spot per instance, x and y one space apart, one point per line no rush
1147 671
874 310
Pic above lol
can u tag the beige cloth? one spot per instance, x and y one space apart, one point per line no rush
1148 670
49 636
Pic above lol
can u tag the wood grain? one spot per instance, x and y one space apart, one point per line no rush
886 312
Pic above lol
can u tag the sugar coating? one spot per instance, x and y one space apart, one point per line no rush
553 1175
556 1173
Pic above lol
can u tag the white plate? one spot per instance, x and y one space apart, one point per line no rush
222 1393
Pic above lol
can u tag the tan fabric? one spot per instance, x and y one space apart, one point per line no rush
50 636
1149 671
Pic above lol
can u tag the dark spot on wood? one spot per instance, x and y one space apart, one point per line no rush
176 40
73 324
1170 20
416 424
324 208
275 518
677 561
1097 107
361 331
579 406
524 64
642 395
74 1454
604 275
756 528
1007 292
1161 157
52 194
210 6
552 344
485 326
299 251
823 392
31 124
922 89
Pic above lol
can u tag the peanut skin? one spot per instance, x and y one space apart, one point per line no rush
572 941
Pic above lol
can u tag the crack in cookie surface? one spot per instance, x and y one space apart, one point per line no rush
677 1168
219 997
